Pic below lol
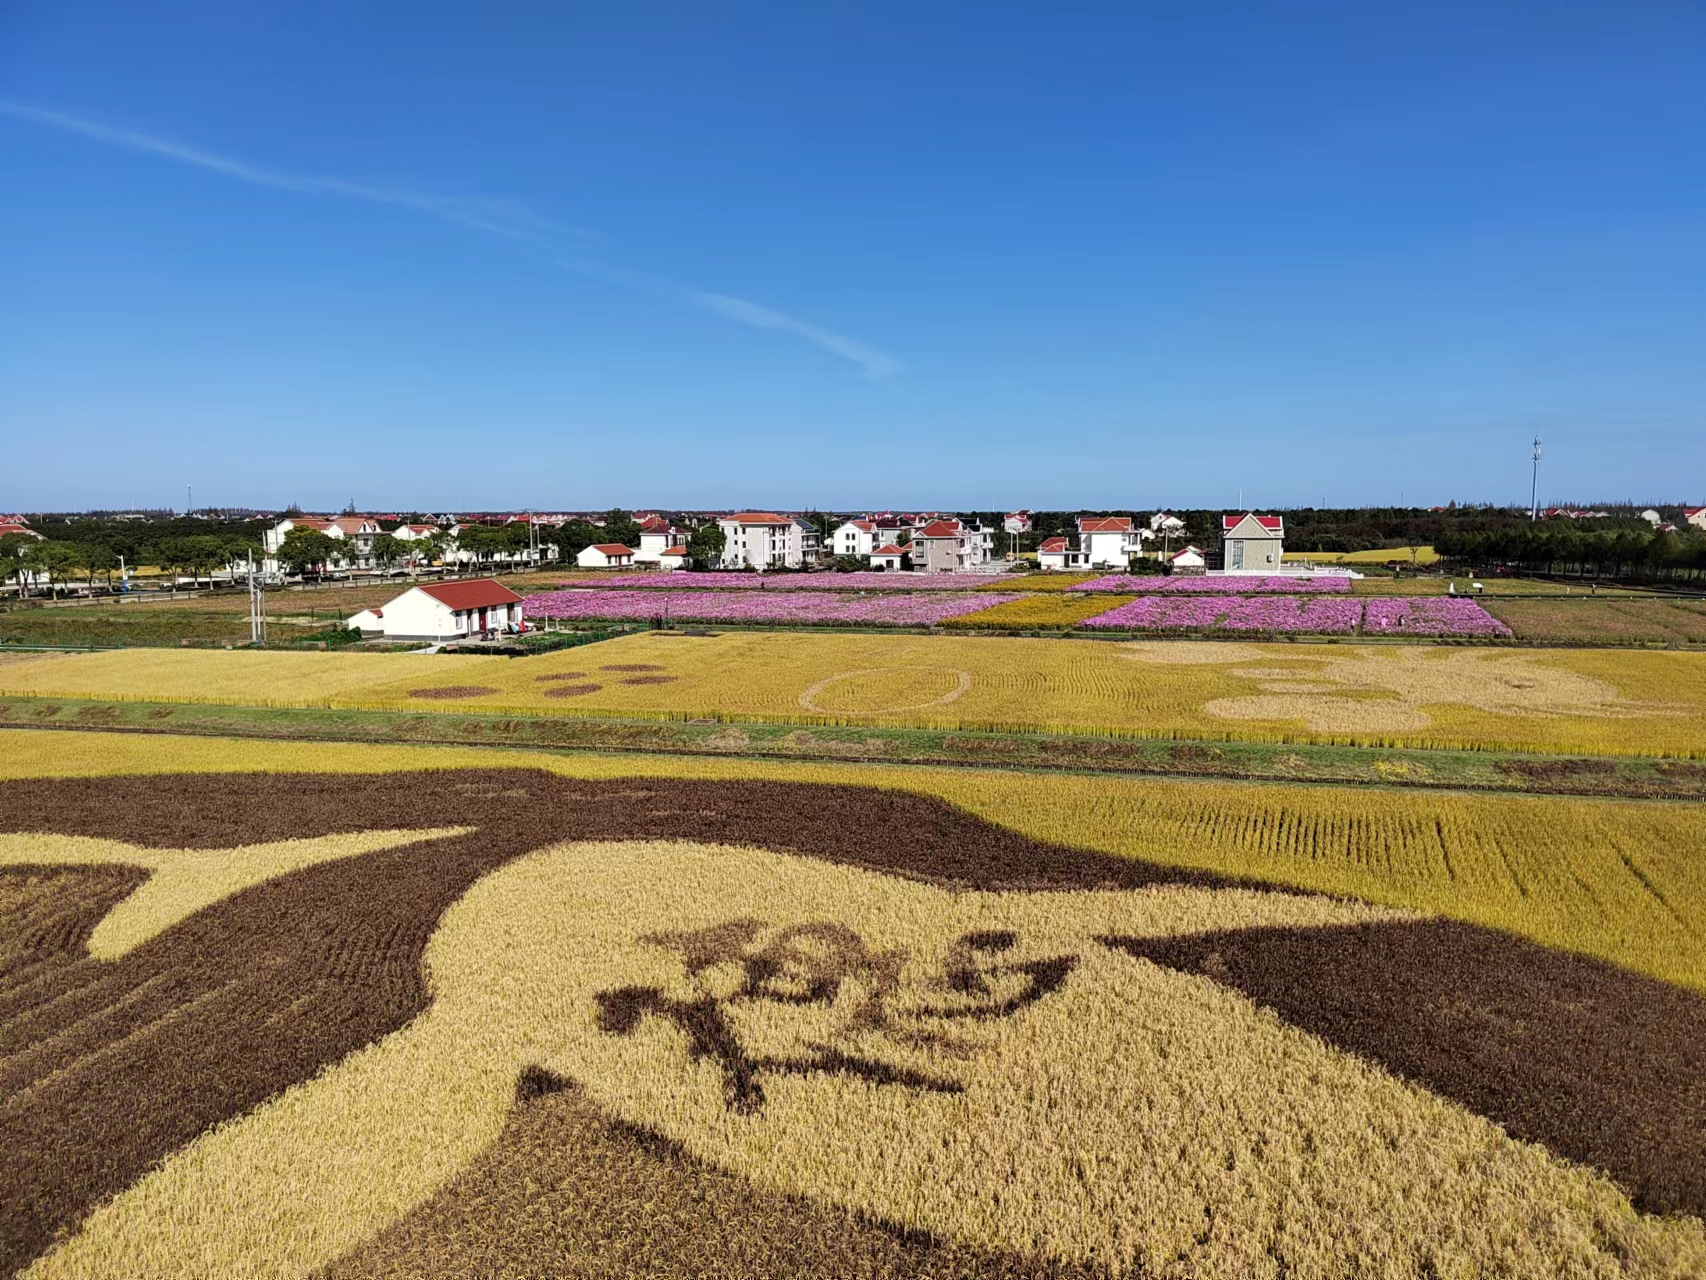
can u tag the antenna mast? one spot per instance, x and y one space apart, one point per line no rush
1534 486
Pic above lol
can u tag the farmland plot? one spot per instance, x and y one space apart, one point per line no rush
1597 702
699 987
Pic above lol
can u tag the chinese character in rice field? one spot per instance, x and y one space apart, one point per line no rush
842 1002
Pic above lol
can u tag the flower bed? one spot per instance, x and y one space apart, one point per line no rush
1300 615
1429 616
687 580
1129 583
800 607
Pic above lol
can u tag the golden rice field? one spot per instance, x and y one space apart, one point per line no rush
1619 880
1601 702
889 1058
1038 610
1379 555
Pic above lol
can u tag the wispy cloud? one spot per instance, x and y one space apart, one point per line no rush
497 217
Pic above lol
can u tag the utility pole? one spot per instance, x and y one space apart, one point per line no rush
1534 485
189 499
257 606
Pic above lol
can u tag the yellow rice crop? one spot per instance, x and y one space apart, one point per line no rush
1380 555
183 881
1137 1118
1040 610
1619 880
1609 702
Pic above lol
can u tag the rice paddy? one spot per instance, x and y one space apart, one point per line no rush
1589 702
348 1010
949 1045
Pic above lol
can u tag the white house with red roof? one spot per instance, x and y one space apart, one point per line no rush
1188 560
1055 555
1109 542
760 540
657 535
443 611
891 557
855 538
1695 516
9 527
1254 543
606 555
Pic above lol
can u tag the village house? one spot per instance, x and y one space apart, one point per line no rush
1057 554
1695 516
606 555
950 546
443 611
1109 542
1166 525
657 535
854 538
1254 544
891 558
673 557
1188 561
760 540
356 532
811 540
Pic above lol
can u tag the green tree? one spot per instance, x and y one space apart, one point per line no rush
12 556
621 527
387 550
306 549
705 547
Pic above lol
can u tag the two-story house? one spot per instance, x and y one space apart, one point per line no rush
948 546
1253 543
1109 542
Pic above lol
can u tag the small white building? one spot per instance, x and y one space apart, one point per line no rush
1166 525
891 557
606 555
443 611
760 540
1188 560
1055 555
1109 542
673 557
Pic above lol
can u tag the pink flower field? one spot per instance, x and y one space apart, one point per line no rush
1302 615
1430 616
818 608
1138 584
684 580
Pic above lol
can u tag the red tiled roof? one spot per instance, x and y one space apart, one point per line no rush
310 522
472 594
1692 511
651 524
890 550
613 548
1267 522
940 529
1054 544
17 528
1105 524
757 517
1186 551
865 525
674 551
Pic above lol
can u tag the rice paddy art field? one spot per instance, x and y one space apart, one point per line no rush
1584 701
422 1012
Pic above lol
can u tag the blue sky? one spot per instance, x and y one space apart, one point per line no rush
1101 255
